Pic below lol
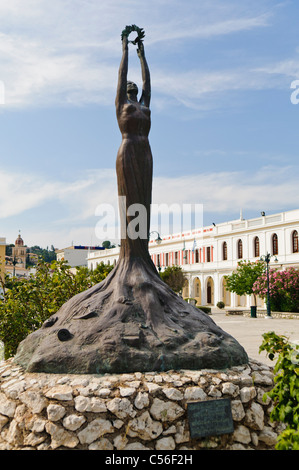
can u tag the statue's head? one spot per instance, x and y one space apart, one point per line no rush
132 88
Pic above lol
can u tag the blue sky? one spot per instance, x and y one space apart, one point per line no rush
224 130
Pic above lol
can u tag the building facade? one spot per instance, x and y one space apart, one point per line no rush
210 253
16 263
76 255
19 253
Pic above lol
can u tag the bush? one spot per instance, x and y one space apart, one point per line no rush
284 289
220 304
27 303
285 394
205 309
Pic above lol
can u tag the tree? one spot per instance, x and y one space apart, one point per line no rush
174 277
107 244
284 289
42 253
241 281
27 303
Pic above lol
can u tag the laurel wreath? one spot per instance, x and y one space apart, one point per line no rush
133 28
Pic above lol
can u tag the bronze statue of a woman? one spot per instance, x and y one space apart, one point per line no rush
134 165
132 321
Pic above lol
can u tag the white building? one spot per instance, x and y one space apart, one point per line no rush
209 254
76 255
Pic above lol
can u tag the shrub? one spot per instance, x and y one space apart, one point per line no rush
285 394
220 304
204 309
284 289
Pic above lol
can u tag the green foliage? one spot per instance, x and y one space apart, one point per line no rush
27 303
107 244
204 309
285 394
242 280
220 304
174 277
46 255
284 289
129 29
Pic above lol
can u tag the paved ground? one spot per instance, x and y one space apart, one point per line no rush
248 331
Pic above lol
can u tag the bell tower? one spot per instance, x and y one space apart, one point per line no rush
19 252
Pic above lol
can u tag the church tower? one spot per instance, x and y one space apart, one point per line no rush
19 252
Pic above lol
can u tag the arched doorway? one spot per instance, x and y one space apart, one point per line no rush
197 290
225 294
210 291
185 292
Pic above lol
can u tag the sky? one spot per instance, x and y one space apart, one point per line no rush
224 133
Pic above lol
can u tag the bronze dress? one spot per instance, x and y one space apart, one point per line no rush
134 168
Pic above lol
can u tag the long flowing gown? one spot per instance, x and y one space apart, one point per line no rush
134 168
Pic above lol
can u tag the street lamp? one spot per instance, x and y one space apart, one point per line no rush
158 240
266 258
14 261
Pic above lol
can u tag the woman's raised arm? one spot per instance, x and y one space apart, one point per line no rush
146 87
121 94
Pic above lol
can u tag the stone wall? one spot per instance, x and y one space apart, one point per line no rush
138 411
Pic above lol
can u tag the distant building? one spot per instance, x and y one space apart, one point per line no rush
19 252
16 263
208 254
76 255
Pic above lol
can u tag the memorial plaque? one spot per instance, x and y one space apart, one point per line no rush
210 418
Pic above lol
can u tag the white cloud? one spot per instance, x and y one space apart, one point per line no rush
22 192
68 52
269 188
178 30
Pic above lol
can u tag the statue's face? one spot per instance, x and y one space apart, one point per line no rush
132 88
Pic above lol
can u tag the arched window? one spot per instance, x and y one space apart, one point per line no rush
295 241
240 249
274 244
256 247
224 251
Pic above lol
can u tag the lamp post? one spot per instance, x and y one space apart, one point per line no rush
266 258
14 260
158 240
